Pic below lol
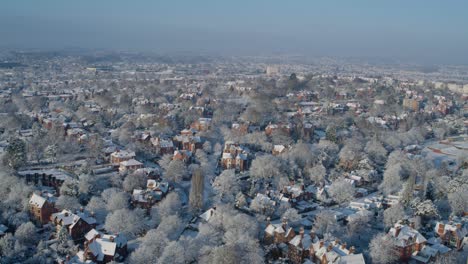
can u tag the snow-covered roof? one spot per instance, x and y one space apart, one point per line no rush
130 162
37 200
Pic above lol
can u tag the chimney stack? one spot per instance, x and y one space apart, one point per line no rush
397 230
343 246
321 243
284 223
312 234
352 249
301 232
329 248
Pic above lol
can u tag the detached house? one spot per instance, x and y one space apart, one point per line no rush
234 157
407 240
121 155
452 233
334 252
155 192
130 165
102 248
41 208
76 224
278 233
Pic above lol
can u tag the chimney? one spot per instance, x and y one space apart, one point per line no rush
312 234
268 220
284 223
111 238
337 241
301 232
321 244
330 247
352 249
343 246
397 230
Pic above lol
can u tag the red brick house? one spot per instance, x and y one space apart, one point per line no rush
278 233
406 240
102 248
77 224
121 155
234 157
451 233
41 208
130 165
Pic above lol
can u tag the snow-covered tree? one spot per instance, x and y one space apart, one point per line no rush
341 191
134 181
15 153
382 250
393 214
226 185
325 222
128 222
392 179
291 215
27 234
197 190
67 202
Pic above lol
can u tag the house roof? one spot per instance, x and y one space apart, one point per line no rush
131 162
37 200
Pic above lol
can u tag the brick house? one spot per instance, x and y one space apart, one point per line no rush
103 248
278 233
41 208
121 155
154 192
187 142
234 157
324 252
407 240
279 149
183 155
130 165
163 146
202 124
299 248
452 233
77 224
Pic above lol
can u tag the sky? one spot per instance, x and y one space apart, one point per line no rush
412 30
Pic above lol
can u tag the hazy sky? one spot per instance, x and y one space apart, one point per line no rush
420 30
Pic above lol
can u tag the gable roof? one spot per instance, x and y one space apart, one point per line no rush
37 200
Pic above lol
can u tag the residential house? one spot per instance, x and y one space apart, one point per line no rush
452 233
103 248
77 224
325 252
130 165
154 192
41 208
183 155
163 146
278 233
121 155
279 149
202 124
407 240
234 157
